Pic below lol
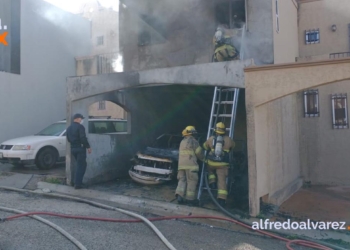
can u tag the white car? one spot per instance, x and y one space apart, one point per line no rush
48 147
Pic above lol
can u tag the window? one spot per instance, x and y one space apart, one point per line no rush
277 18
105 127
311 108
54 129
312 36
101 105
120 126
340 111
152 30
99 40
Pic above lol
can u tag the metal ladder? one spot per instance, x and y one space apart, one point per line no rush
223 109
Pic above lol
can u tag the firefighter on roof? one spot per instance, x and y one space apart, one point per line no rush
218 160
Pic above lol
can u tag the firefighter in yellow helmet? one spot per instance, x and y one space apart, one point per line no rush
218 160
224 48
187 176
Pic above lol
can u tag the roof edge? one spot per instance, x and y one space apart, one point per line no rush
296 65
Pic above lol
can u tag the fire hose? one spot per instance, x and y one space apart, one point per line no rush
306 243
49 223
303 241
100 205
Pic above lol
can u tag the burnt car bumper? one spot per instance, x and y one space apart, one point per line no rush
152 170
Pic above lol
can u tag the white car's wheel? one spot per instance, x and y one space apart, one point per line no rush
47 158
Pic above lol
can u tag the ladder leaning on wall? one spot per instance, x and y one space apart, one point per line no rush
223 109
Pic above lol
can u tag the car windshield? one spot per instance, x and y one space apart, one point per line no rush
53 130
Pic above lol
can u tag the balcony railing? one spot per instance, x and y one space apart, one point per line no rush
339 55
108 63
99 64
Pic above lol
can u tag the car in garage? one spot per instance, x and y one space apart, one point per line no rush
158 163
48 147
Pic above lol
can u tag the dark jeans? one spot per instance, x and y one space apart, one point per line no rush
79 155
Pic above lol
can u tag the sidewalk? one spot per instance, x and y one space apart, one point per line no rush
147 206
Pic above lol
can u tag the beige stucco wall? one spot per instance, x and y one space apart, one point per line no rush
112 109
278 164
104 22
273 140
277 133
285 40
323 149
86 65
322 15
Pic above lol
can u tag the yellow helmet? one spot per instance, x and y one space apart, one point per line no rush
220 128
189 130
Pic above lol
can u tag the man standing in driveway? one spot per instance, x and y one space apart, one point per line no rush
78 143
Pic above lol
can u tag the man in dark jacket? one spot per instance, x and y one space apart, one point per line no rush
78 142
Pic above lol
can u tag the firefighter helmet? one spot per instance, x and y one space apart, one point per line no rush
220 128
189 130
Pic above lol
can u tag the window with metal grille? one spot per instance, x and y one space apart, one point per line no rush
277 18
99 40
311 104
102 105
340 111
312 36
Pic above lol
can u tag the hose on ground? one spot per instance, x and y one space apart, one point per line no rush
49 223
234 220
100 205
289 242
303 241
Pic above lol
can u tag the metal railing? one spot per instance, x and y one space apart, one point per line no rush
339 55
107 63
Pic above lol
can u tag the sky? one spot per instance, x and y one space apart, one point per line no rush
74 6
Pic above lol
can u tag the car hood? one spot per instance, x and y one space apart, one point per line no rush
28 140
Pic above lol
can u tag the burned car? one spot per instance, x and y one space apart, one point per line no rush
157 163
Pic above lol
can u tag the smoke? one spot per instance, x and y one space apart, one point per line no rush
181 33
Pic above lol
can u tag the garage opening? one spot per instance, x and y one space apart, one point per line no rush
159 116
106 117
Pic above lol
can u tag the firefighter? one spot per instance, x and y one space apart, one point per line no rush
218 160
187 176
224 48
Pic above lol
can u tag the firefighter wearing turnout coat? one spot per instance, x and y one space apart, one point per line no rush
224 48
187 176
218 160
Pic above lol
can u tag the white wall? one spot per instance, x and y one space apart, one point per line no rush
50 39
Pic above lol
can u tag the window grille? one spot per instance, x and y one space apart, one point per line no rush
340 111
101 105
312 36
311 103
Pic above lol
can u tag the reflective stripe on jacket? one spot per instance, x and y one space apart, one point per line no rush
229 144
189 152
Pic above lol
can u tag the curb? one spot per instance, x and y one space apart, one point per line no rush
146 206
